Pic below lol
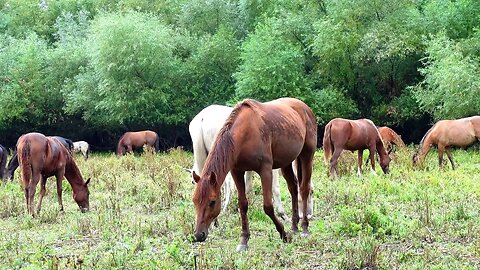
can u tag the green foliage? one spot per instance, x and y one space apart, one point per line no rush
330 103
142 217
279 74
132 70
451 88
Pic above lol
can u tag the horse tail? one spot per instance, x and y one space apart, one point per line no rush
120 146
24 160
157 143
327 143
200 152
87 152
3 161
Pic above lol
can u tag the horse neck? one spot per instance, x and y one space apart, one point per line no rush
425 148
72 173
382 152
219 160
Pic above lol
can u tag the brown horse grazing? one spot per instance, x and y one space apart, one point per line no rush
258 137
390 138
343 134
446 134
134 140
41 157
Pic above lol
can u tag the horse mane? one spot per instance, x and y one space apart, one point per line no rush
425 136
220 155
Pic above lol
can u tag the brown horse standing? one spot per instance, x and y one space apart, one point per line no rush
258 137
134 140
343 134
390 138
41 157
447 133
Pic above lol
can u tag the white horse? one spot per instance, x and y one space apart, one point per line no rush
81 146
203 128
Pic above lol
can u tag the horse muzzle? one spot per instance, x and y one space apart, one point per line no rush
201 236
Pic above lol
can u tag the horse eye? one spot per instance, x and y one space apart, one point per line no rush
211 204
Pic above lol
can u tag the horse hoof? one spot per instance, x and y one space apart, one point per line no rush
305 234
242 247
288 237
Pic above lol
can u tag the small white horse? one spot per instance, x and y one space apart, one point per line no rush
81 146
203 128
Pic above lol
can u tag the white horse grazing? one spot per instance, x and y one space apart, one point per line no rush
81 146
203 128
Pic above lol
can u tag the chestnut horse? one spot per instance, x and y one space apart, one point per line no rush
344 134
203 128
134 140
41 157
390 138
13 162
258 137
446 134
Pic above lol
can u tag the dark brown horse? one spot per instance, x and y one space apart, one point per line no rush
343 134
446 134
258 137
41 157
134 140
3 161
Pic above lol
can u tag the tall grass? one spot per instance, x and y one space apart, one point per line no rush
142 217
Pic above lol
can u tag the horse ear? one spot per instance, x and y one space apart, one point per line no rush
213 178
88 181
195 176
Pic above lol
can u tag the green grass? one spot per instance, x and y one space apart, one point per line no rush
142 217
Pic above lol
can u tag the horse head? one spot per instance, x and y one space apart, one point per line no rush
206 199
385 163
81 196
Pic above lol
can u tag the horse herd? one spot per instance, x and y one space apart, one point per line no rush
271 138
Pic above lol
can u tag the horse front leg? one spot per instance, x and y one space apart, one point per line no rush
266 177
359 162
449 155
372 151
238 178
292 184
42 193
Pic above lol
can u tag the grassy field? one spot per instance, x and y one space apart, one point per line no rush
142 217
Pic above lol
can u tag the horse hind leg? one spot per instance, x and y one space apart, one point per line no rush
266 176
449 155
334 160
31 192
42 193
306 165
441 148
277 202
292 184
